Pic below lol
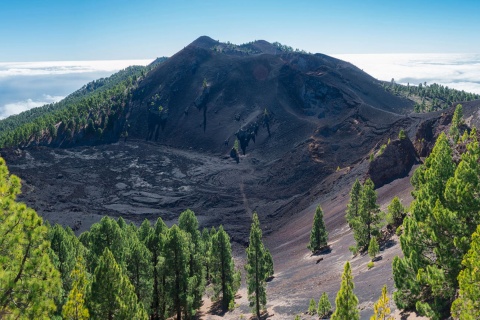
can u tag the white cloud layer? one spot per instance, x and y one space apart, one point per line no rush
12 69
20 106
459 71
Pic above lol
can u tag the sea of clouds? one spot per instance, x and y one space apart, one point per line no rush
458 71
25 85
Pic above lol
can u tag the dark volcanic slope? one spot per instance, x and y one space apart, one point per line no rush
301 115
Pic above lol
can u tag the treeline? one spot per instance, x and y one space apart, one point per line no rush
91 111
429 97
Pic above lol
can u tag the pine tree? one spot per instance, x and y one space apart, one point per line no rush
139 267
444 214
381 310
346 301
65 249
75 306
395 212
106 234
366 224
467 305
255 267
207 238
112 295
29 282
155 240
225 280
319 234
269 272
177 271
189 223
312 307
373 248
456 122
354 203
324 306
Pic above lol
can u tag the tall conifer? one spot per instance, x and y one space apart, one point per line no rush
255 267
346 301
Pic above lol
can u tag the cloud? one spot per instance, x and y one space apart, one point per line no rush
12 69
20 106
459 71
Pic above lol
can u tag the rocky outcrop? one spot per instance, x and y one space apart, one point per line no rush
395 162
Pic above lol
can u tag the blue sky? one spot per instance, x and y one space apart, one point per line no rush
49 30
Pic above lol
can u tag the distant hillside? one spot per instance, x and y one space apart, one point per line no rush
62 121
431 97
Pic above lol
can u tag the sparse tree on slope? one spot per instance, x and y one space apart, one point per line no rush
29 282
381 309
354 203
319 234
255 267
467 305
75 308
225 280
346 301
456 122
395 212
373 248
312 307
366 224
324 306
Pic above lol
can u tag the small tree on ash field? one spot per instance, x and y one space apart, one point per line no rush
319 234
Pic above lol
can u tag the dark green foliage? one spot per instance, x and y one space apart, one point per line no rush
367 222
112 295
436 236
319 234
139 267
66 248
154 239
346 301
324 306
402 135
207 252
354 203
467 305
92 109
224 278
256 268
268 264
105 234
29 282
177 271
189 223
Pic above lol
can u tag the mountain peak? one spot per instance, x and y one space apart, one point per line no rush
204 42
